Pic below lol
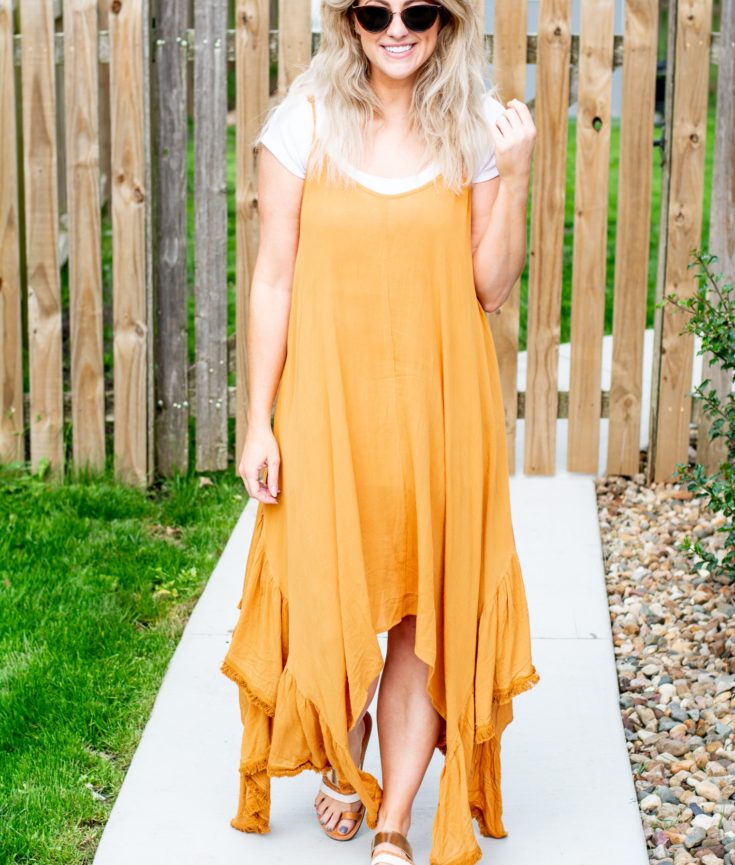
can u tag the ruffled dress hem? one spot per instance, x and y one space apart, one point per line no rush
285 733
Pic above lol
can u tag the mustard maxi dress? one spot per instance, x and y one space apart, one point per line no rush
394 501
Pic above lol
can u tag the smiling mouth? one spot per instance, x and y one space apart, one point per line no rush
398 50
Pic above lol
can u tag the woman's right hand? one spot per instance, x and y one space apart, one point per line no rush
260 452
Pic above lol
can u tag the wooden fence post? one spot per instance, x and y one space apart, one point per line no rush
150 251
589 275
128 77
633 235
170 132
509 73
42 236
547 236
681 221
251 49
294 41
210 119
11 358
85 266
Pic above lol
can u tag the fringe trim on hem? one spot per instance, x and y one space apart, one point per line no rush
297 770
517 687
263 765
254 805
254 766
485 732
254 698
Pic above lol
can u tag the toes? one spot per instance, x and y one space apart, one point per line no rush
333 820
328 812
328 816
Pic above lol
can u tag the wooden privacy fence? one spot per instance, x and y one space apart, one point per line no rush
94 110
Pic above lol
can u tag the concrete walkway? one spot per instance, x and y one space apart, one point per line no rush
568 793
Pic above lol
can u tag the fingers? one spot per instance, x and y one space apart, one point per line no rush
515 116
258 489
273 466
523 110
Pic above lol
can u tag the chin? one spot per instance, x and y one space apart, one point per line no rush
398 75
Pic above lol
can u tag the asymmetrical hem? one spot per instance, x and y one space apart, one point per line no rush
394 501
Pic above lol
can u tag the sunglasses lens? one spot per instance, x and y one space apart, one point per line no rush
419 18
373 18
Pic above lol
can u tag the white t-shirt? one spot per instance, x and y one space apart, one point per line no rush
288 135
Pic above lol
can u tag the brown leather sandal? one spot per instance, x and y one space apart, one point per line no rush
384 857
330 785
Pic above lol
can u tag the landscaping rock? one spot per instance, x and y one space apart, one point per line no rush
673 634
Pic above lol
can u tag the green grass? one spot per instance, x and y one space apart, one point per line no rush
96 583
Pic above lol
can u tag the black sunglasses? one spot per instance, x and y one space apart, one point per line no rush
418 18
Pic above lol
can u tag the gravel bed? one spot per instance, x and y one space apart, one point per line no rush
674 634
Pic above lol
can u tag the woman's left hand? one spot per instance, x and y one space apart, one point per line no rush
515 136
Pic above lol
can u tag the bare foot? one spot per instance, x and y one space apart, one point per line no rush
328 809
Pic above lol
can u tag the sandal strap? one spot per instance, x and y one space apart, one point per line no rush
349 798
392 837
330 777
385 858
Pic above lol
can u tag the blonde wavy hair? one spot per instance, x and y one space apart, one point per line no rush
446 106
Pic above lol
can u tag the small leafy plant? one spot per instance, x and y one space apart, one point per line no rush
712 317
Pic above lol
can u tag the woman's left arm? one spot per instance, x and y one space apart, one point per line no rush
499 209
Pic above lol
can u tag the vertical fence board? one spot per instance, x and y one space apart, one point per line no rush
509 72
547 234
210 117
171 332
42 213
11 359
129 193
633 235
150 251
665 144
36 193
590 234
722 221
294 41
85 268
251 40
671 392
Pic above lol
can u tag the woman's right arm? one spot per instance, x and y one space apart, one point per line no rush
279 207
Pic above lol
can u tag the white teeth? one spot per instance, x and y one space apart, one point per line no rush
402 49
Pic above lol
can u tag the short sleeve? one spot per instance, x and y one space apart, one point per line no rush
487 168
288 133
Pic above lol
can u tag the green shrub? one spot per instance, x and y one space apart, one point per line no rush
712 317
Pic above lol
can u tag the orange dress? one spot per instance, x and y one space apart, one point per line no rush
394 501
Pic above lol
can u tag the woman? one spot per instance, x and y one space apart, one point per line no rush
392 200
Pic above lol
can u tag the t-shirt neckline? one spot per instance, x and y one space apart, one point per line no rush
391 185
